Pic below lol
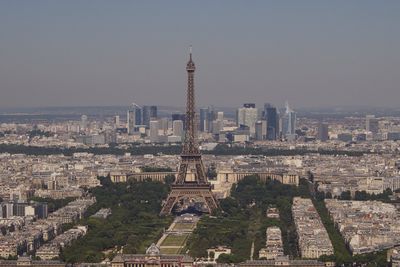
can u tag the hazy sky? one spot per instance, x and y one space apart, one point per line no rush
311 53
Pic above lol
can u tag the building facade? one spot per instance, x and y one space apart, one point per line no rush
133 118
152 258
271 115
247 116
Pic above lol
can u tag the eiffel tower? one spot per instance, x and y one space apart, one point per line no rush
192 179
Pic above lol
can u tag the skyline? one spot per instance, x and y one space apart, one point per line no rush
311 54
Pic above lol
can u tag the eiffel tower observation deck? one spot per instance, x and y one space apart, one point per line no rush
191 183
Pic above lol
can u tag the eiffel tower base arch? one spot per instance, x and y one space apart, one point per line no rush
179 192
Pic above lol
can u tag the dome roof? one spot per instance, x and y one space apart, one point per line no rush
153 250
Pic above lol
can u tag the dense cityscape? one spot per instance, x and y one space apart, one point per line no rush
344 168
109 158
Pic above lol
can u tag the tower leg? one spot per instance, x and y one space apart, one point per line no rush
178 193
169 204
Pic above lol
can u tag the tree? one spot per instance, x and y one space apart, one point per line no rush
169 179
155 169
134 222
212 171
361 195
310 176
242 220
229 258
345 195
320 195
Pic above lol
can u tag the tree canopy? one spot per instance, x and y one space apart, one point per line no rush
134 223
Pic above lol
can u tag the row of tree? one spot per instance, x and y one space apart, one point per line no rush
358 195
155 169
53 204
166 149
342 255
133 225
243 220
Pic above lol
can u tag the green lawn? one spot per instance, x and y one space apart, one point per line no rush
170 250
175 240
184 226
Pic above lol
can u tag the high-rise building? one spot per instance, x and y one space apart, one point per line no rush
149 113
153 112
179 117
249 105
177 128
371 124
211 116
134 118
288 122
146 115
220 115
84 122
261 130
217 126
116 121
154 128
271 115
323 132
247 116
163 125
203 125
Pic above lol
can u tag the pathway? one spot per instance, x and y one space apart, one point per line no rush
174 239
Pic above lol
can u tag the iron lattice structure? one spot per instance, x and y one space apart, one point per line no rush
191 181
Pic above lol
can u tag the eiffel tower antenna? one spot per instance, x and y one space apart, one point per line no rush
192 180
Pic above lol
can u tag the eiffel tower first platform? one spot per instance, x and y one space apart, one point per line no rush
191 182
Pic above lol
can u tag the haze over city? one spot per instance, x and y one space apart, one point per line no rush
199 133
90 53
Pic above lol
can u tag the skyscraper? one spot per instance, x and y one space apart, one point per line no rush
247 116
271 115
177 128
149 113
203 125
154 128
84 122
288 122
153 112
146 115
163 124
261 130
134 118
323 132
179 117
249 105
220 115
211 116
217 126
371 124
116 121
